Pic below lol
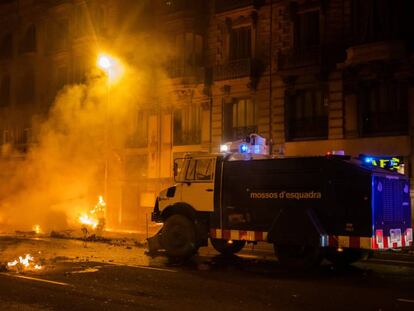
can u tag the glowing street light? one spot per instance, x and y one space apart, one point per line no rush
112 67
104 62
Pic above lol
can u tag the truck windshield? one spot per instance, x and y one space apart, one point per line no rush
194 169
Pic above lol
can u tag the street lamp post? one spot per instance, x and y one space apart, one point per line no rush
106 63
114 70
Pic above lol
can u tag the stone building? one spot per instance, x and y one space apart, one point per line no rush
309 75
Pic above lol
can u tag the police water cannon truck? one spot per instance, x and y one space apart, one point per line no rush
309 208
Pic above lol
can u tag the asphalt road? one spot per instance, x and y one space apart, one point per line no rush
105 277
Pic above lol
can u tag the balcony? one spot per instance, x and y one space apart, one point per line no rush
236 133
187 73
295 59
384 123
308 128
228 5
385 50
236 69
187 138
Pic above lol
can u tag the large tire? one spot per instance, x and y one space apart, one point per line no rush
297 256
179 237
226 248
346 257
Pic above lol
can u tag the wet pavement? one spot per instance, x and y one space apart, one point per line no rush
117 275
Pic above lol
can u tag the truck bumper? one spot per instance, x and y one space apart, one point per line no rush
154 244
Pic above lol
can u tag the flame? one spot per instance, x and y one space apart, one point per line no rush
86 220
93 217
24 263
37 229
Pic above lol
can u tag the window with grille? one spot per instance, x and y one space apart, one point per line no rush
240 43
383 108
306 115
379 20
187 125
239 119
307 31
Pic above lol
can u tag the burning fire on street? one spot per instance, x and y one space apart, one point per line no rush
52 181
95 218
22 264
37 229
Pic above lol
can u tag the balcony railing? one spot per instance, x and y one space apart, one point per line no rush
240 132
308 128
195 72
299 58
187 138
234 69
384 123
376 51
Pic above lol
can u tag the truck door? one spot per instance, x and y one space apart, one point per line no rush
198 184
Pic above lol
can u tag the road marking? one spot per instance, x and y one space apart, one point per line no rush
35 279
140 267
87 270
405 300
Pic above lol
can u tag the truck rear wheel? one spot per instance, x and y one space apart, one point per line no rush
227 247
298 256
179 237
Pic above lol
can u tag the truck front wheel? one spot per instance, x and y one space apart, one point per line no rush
179 237
298 256
226 247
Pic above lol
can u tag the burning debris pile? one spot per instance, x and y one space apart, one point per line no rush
93 221
24 264
37 229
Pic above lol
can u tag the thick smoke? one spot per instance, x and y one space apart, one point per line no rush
62 175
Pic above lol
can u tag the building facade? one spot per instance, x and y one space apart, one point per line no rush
311 76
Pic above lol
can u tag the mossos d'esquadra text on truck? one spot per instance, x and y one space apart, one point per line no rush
334 207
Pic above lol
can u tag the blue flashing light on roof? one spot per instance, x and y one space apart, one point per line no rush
368 160
244 148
